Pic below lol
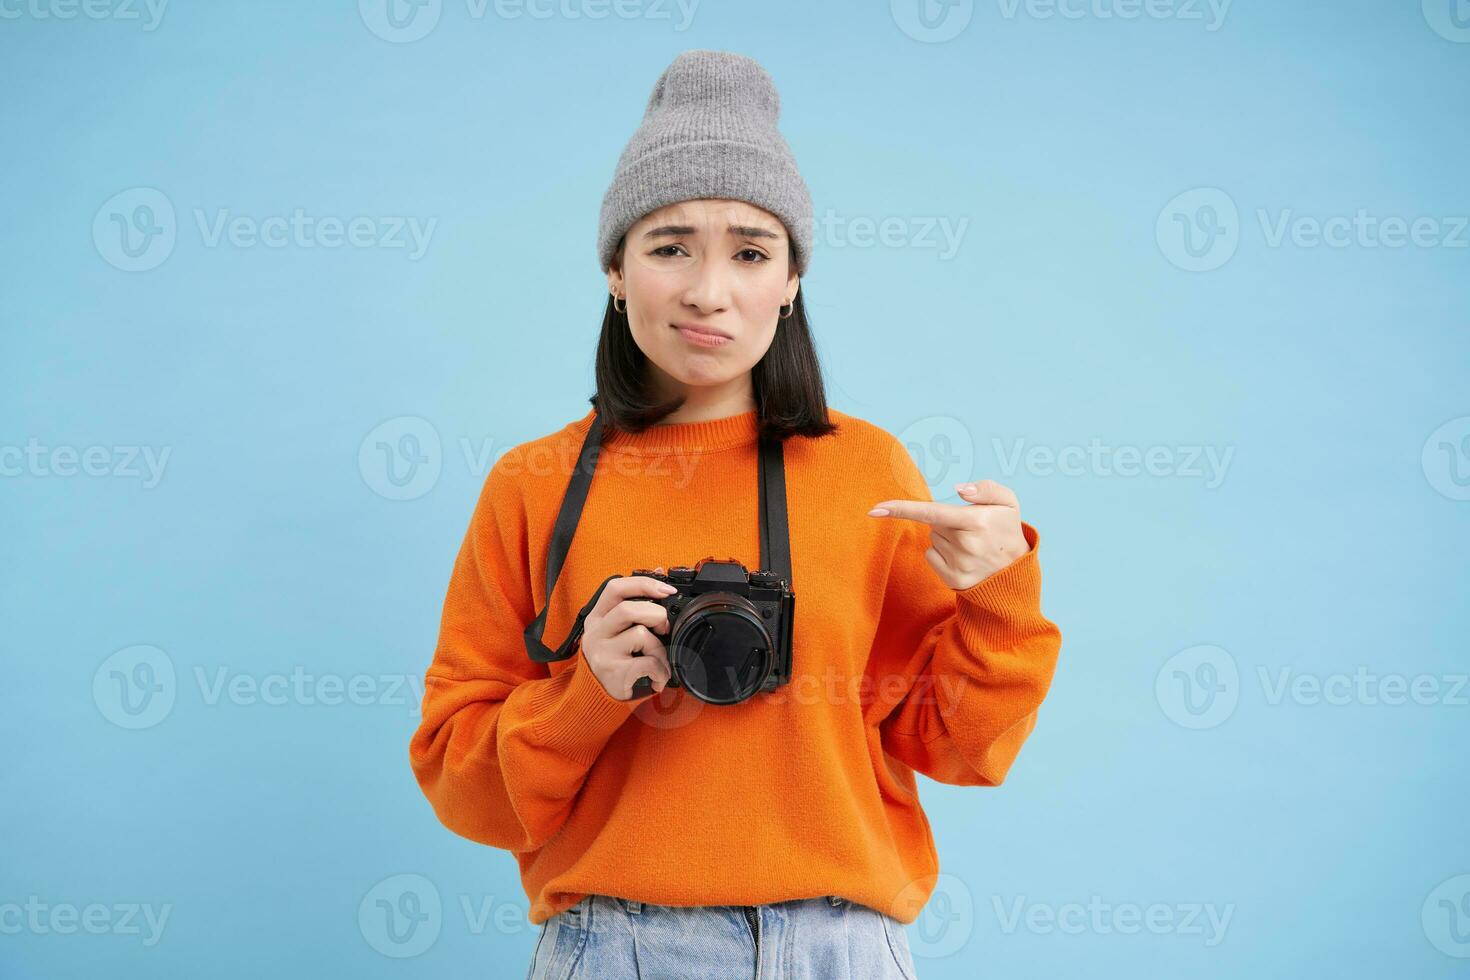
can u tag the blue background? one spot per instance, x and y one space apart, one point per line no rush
271 543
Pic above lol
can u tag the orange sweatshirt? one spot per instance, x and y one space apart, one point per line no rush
802 791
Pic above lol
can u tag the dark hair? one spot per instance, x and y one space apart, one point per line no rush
789 395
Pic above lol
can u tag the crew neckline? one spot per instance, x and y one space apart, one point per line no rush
708 436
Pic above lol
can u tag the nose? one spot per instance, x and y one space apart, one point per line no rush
708 286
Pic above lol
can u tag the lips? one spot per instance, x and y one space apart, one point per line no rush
701 328
702 336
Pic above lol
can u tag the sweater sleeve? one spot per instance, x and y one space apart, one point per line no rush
975 664
503 746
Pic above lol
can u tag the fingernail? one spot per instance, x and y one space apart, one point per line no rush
667 587
878 512
964 487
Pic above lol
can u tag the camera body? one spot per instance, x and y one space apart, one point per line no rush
729 634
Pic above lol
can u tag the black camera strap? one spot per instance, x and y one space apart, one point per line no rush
775 537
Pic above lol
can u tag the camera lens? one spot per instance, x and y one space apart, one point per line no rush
721 648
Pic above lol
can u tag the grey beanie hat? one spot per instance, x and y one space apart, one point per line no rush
709 131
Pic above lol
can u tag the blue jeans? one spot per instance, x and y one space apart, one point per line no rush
810 938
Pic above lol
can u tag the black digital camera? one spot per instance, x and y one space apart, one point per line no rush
729 634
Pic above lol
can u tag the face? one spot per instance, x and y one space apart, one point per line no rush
717 264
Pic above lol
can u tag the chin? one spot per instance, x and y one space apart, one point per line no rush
698 377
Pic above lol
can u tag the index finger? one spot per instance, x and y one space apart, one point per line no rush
628 587
928 511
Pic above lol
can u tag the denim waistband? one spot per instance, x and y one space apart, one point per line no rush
635 907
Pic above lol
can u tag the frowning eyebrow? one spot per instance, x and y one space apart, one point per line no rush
680 231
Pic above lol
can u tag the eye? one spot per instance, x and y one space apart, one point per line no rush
660 250
759 256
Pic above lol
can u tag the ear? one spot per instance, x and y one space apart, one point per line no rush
615 268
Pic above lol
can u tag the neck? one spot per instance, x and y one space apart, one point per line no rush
703 403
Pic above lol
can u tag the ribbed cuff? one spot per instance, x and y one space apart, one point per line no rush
994 608
574 713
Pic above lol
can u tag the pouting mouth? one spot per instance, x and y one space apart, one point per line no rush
701 328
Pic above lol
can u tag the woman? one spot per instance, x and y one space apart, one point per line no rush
669 835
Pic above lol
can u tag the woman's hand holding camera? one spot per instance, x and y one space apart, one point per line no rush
618 636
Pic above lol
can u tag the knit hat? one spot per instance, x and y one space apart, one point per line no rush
709 131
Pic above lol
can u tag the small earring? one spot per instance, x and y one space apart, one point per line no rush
623 308
789 311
